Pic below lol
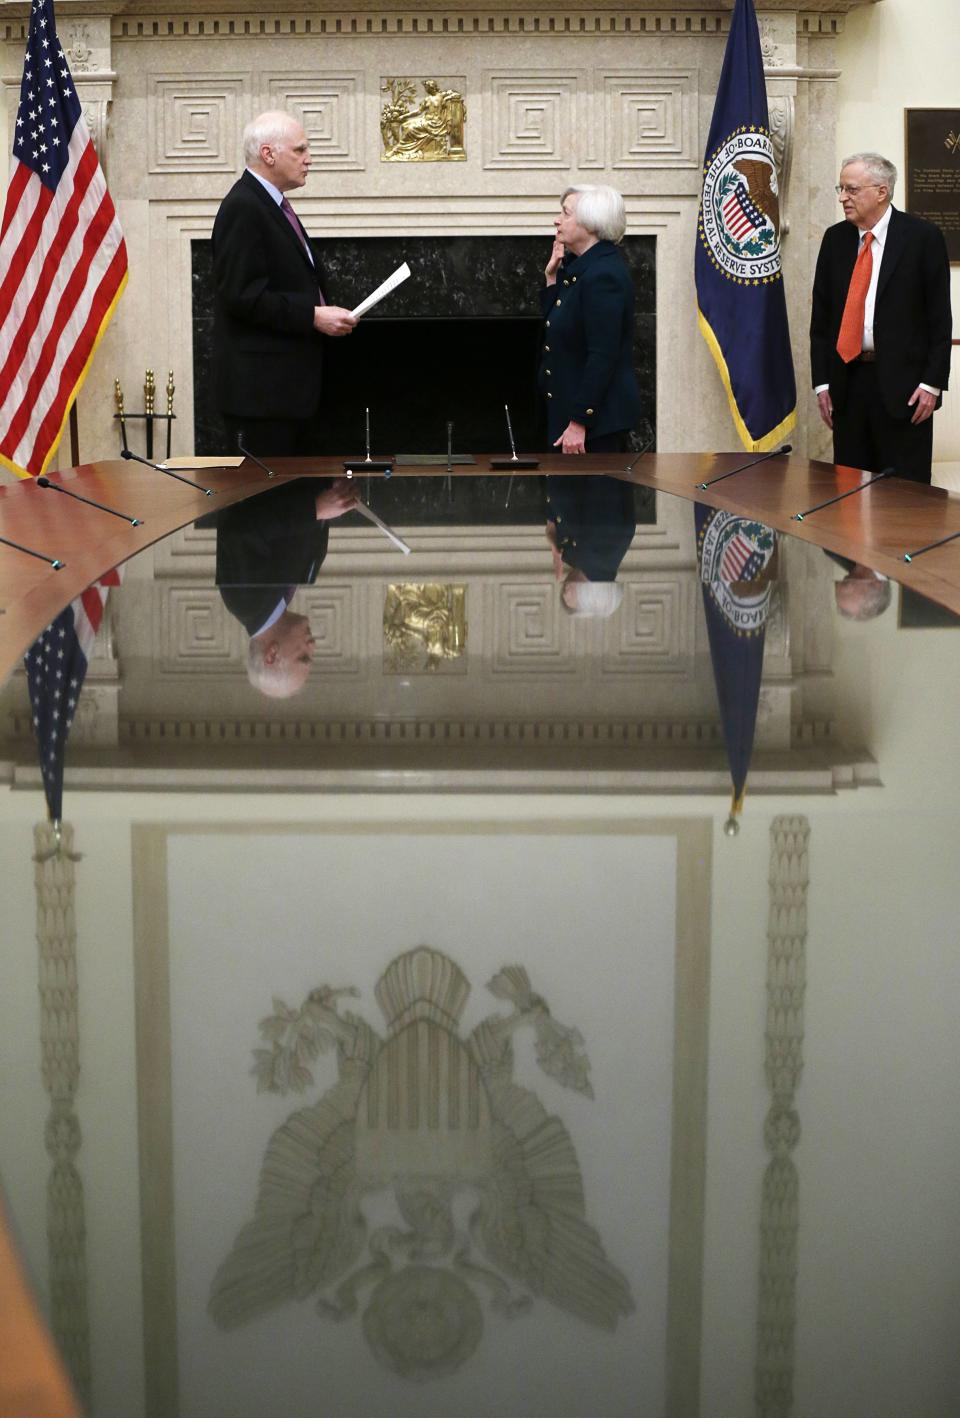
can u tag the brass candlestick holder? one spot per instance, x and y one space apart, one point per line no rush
149 414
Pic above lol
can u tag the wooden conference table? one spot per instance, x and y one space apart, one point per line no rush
876 527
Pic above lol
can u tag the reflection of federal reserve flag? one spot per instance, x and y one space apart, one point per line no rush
391 283
737 559
740 298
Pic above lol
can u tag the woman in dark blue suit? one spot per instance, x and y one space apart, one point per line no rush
587 377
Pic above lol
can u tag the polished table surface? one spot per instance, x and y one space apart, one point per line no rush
876 527
422 1044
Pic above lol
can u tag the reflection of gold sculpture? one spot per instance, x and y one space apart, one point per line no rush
424 620
432 132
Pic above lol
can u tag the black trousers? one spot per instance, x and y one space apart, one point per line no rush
865 436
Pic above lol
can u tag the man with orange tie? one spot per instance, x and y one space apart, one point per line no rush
880 326
269 308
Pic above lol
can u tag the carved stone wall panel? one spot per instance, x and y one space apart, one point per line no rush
336 617
654 629
540 121
194 123
195 630
528 632
330 107
651 118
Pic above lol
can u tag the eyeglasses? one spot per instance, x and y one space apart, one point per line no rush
842 187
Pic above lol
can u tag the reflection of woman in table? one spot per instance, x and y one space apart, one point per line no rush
590 525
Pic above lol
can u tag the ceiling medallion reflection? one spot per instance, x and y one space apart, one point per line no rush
429 131
485 1183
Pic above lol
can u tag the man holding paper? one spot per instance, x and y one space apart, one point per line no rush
269 308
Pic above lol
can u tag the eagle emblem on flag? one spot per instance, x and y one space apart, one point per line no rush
740 211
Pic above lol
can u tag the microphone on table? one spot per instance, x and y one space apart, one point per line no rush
55 561
887 473
167 472
774 453
58 487
645 449
253 457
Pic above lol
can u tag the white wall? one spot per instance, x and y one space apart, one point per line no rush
894 55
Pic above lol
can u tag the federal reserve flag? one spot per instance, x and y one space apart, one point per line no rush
741 305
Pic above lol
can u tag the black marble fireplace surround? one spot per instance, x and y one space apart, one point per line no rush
455 342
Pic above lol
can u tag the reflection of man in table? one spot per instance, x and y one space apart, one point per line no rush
880 326
269 307
267 547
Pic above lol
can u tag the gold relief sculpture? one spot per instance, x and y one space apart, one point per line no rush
423 625
430 1118
431 131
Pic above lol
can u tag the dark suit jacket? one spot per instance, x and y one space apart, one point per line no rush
267 545
595 521
586 368
267 356
911 326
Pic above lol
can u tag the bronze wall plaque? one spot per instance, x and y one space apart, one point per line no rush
932 151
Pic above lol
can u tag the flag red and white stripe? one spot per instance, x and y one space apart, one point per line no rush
63 260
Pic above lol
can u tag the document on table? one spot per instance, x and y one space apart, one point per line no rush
391 283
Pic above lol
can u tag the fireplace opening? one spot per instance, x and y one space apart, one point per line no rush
454 343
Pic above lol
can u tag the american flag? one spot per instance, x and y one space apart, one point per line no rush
63 261
56 665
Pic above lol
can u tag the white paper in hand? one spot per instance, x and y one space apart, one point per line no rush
391 283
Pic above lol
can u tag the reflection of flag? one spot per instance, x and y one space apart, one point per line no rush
56 665
742 309
735 556
63 262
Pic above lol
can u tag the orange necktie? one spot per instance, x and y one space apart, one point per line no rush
850 339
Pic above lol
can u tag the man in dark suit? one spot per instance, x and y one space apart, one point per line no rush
880 326
267 546
270 313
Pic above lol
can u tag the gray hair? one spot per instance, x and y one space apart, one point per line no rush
276 680
273 128
880 169
592 600
601 211
870 599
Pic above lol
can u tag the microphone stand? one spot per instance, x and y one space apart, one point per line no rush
774 453
887 473
56 563
253 458
167 472
910 555
56 487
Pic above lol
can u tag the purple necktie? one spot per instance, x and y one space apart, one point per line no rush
291 217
